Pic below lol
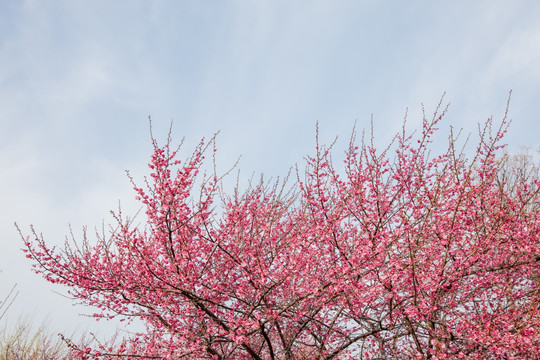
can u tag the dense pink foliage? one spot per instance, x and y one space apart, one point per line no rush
397 255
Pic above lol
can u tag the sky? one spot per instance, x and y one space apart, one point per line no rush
78 81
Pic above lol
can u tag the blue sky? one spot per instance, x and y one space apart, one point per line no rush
78 80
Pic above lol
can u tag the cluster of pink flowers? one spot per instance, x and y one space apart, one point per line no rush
396 255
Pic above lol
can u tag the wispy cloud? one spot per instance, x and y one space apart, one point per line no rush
77 80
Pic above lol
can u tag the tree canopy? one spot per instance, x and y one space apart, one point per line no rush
395 254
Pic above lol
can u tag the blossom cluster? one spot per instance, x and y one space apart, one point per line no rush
397 254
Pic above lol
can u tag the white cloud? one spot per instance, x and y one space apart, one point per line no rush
78 79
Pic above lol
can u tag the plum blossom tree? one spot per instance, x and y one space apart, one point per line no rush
397 254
